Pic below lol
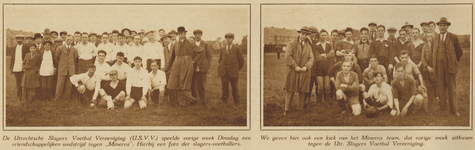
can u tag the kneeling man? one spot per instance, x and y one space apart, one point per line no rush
112 92
137 85
405 92
87 84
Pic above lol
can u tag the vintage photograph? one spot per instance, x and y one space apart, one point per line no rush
157 65
366 65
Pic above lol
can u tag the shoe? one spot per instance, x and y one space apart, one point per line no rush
457 114
285 112
92 105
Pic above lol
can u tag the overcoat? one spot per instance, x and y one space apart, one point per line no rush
31 65
301 56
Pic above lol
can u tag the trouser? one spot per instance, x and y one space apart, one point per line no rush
431 90
446 87
155 95
28 94
182 97
324 88
63 87
225 87
278 55
166 93
106 99
289 96
82 66
343 100
18 78
309 94
198 86
47 84
86 97
363 63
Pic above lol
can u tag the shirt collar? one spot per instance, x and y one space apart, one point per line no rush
320 42
381 40
351 42
361 42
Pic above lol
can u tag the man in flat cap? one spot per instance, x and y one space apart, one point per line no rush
181 68
425 29
173 38
372 34
446 56
161 32
16 64
201 69
47 35
230 62
54 35
63 35
299 59
313 40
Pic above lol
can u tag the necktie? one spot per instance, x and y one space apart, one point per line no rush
227 50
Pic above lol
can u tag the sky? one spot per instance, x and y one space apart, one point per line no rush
331 17
214 20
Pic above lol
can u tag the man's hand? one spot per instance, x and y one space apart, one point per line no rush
332 79
303 69
343 85
297 69
431 70
390 68
323 55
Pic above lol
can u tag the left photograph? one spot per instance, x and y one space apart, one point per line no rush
126 65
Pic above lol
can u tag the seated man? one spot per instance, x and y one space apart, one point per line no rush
368 73
112 92
87 84
137 85
405 92
121 67
379 94
347 85
158 80
412 71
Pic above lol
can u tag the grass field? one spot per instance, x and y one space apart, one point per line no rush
327 114
71 113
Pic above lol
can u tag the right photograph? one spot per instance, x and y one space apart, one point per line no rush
366 65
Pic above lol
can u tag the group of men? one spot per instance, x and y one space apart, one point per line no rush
398 75
121 68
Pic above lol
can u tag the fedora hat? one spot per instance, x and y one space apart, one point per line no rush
313 29
304 29
408 24
172 32
372 23
181 29
38 35
443 20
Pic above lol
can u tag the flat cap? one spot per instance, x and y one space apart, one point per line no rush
424 23
392 29
197 31
29 36
63 32
38 35
231 35
47 32
54 32
115 31
166 35
372 23
85 33
172 32
20 36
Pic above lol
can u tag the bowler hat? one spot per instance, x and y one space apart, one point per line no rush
304 29
313 29
231 35
197 31
408 24
38 35
47 32
392 29
443 20
181 29
372 23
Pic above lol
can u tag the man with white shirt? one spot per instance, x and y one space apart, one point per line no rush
129 40
102 67
47 71
121 67
158 82
136 49
153 51
107 46
93 39
86 52
88 85
121 46
115 37
137 85
16 64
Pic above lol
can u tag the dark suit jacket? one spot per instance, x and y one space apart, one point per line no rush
168 52
316 58
66 61
24 50
206 63
231 62
453 49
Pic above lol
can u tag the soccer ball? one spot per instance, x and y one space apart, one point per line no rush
82 89
393 112
371 112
